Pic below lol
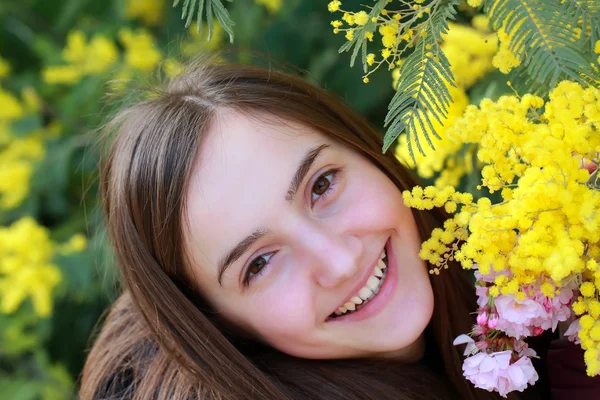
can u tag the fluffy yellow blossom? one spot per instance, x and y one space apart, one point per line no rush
597 49
141 51
370 58
334 6
481 22
469 52
587 289
474 3
505 60
150 12
348 18
361 18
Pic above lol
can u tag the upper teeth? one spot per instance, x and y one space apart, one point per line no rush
368 291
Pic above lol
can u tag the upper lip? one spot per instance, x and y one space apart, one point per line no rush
362 282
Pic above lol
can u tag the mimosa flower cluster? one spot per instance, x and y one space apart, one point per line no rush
536 251
397 29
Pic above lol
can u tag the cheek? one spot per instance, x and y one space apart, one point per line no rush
284 316
375 202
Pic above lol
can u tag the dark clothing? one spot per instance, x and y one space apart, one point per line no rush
566 373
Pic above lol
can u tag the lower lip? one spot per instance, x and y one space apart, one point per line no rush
377 303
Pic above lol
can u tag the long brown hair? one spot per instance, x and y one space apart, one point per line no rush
160 340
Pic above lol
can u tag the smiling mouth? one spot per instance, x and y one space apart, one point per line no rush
367 292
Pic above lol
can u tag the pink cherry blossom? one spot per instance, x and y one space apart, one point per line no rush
573 331
482 296
471 348
557 309
517 317
494 372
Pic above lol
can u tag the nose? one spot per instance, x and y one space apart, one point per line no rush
334 257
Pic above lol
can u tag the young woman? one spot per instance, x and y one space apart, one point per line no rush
267 253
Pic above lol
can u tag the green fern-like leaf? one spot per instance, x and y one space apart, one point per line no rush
422 91
586 14
545 37
208 8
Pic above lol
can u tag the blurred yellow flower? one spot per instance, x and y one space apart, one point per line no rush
75 51
172 67
198 43
31 99
83 59
56 74
469 52
16 168
10 108
14 183
4 68
101 54
271 5
26 268
150 12
141 51
76 244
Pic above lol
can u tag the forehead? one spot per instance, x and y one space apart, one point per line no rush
240 180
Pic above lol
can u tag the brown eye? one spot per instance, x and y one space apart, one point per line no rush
324 185
321 185
257 267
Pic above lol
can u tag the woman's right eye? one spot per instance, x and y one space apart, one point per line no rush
256 267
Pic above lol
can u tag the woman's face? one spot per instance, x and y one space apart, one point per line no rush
287 229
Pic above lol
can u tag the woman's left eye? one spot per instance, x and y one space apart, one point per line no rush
256 267
323 185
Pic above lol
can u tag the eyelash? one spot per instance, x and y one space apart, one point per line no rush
332 183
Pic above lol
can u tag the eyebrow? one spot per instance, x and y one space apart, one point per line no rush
249 240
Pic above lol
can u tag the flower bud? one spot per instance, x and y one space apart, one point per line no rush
482 319
492 321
